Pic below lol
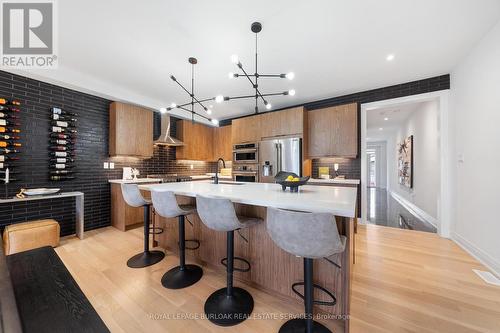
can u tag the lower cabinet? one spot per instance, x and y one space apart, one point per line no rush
123 216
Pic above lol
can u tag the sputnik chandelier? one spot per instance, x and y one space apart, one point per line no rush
254 78
194 100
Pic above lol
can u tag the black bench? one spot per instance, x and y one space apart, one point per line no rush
48 298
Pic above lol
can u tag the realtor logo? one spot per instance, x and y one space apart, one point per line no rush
28 34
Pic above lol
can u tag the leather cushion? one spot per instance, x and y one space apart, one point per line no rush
30 235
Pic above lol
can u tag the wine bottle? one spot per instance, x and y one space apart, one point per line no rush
4 101
10 179
61 154
64 113
8 116
59 123
4 165
9 137
5 122
9 151
4 144
58 148
62 142
59 117
61 166
4 158
59 160
61 172
61 177
9 130
58 129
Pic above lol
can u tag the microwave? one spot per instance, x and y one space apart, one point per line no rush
246 153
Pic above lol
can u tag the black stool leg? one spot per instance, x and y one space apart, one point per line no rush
146 258
183 275
231 305
307 324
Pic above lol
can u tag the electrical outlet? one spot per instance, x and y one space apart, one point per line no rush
106 165
461 158
111 165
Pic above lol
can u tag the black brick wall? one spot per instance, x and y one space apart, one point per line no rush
91 151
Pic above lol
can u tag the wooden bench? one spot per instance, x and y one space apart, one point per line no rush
48 298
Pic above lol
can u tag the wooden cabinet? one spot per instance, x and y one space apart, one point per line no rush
198 141
123 216
282 123
130 130
333 131
246 129
222 143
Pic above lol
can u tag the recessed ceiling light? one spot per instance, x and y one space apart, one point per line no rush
386 118
390 57
380 129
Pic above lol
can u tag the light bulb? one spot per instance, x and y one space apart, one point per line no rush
209 111
290 76
210 106
219 98
173 105
234 59
215 122
163 110
291 92
268 106
390 57
230 75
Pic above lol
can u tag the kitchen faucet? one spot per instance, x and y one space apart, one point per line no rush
216 178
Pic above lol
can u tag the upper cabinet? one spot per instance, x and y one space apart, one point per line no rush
333 131
222 143
198 141
130 130
282 123
246 129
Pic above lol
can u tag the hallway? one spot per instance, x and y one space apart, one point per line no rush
384 210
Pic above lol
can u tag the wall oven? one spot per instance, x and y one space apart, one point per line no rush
246 173
246 153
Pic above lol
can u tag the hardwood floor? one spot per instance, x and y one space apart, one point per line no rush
403 281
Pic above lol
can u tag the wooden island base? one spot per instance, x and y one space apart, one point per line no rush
273 270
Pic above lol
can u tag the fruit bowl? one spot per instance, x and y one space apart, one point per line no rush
282 179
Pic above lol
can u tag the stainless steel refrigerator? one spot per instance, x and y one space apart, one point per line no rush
277 155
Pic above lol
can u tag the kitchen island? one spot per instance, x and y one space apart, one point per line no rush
273 270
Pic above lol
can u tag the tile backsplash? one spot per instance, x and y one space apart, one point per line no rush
348 167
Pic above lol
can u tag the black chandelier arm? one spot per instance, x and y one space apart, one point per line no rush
282 76
276 94
253 84
190 94
200 101
193 112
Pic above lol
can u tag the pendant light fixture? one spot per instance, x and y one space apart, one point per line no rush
256 27
194 99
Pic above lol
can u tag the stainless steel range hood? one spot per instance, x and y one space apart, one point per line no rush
165 139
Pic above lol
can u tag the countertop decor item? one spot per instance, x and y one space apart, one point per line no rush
256 27
41 191
194 100
281 178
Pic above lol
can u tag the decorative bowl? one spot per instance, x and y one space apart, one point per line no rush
41 191
281 177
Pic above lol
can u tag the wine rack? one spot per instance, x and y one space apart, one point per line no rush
9 139
62 145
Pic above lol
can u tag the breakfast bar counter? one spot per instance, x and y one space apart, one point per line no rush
273 270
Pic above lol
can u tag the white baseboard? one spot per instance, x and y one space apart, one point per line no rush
414 209
481 256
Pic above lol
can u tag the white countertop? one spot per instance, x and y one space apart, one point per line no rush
337 200
136 181
334 181
209 176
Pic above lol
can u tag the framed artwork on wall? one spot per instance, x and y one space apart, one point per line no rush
405 162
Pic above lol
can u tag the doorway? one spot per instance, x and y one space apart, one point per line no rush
391 191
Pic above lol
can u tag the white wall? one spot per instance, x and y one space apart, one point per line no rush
380 148
423 124
475 112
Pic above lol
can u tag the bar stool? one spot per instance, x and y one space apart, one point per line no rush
311 236
133 197
231 305
181 276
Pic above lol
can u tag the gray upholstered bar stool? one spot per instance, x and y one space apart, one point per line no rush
231 305
182 276
311 236
133 197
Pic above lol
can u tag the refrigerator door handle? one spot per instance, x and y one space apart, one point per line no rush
280 155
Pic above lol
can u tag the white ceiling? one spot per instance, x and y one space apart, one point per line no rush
396 116
126 49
